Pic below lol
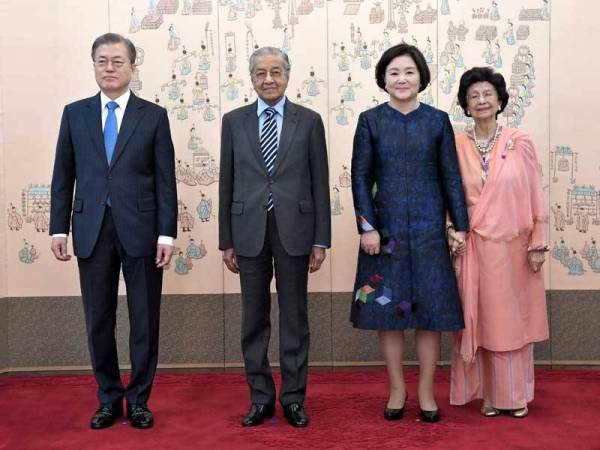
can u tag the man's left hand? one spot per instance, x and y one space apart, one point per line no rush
317 256
163 255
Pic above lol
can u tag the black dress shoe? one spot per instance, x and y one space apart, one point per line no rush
139 416
430 416
257 414
395 413
295 415
105 416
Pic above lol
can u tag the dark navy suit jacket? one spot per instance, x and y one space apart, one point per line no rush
140 179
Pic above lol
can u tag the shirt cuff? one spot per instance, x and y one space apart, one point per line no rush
165 240
366 226
320 246
57 235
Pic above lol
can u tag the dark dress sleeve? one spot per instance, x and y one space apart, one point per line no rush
451 182
363 177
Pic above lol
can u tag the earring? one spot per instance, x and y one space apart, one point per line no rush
468 113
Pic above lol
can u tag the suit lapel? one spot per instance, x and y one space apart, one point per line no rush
251 126
133 114
93 119
290 121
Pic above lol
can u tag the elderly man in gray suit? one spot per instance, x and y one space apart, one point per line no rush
274 213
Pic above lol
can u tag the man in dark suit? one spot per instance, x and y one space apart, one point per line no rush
116 149
274 211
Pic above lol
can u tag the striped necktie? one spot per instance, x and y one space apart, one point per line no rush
268 145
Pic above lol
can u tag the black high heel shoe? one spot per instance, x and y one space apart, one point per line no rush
393 413
430 416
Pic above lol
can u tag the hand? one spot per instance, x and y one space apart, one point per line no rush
456 241
59 248
370 242
317 256
230 260
536 259
459 242
164 253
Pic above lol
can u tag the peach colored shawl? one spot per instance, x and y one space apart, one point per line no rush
501 210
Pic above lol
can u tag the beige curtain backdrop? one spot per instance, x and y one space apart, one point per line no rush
193 60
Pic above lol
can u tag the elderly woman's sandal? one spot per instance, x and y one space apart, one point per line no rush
489 411
519 413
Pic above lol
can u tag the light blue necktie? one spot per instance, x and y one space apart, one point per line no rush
110 130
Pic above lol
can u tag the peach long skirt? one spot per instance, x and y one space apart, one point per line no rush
504 380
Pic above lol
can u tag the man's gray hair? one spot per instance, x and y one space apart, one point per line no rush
264 51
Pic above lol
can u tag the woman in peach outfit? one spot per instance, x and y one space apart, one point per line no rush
499 265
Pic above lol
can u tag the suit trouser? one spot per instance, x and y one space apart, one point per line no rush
291 278
99 277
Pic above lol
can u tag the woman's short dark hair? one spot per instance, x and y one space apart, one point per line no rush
401 50
479 74
114 38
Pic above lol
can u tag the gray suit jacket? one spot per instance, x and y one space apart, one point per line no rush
299 183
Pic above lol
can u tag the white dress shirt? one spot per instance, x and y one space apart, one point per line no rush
279 108
119 112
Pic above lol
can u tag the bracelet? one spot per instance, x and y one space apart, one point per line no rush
544 248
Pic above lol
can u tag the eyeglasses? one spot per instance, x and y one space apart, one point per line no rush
486 95
117 63
261 75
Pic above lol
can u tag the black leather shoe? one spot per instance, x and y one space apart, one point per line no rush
139 416
394 413
430 416
295 415
257 414
105 416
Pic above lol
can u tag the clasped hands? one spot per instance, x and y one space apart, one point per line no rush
456 241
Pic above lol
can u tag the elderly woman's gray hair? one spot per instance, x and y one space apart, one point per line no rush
264 51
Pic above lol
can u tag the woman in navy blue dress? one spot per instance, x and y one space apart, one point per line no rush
405 179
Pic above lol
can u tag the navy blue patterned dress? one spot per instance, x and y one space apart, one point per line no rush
405 177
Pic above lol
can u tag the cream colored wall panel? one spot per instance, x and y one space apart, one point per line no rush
575 162
194 61
3 214
46 64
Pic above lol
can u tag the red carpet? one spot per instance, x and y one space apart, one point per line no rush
202 411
